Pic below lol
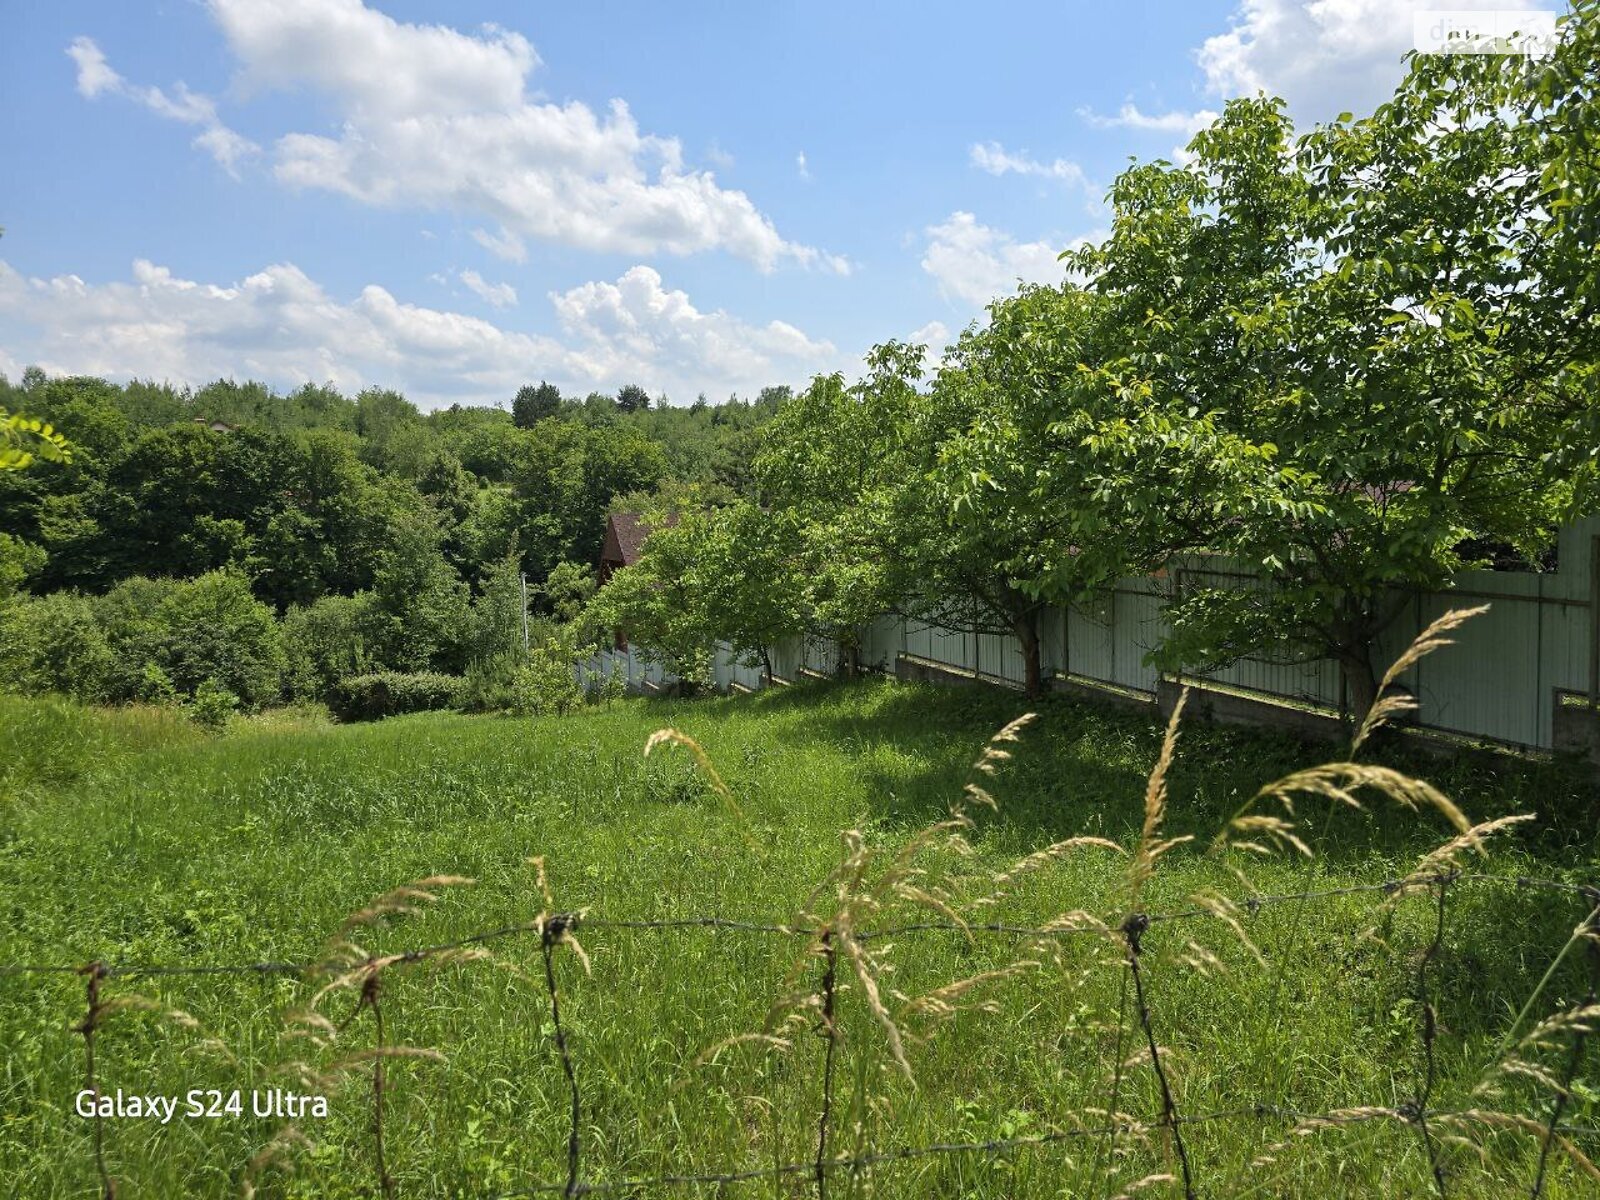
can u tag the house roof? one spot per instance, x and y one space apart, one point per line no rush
625 537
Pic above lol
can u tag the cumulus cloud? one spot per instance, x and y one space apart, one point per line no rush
96 78
668 343
500 295
997 160
1322 56
281 326
974 263
504 244
1130 116
432 117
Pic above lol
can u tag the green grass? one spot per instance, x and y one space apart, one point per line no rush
128 837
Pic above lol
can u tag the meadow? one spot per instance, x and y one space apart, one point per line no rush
127 835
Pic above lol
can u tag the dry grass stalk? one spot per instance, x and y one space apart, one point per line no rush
1151 845
1389 706
664 737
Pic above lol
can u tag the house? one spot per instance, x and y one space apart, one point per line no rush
215 426
625 537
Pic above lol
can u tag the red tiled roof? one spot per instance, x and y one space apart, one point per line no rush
625 538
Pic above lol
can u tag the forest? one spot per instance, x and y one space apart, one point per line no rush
252 547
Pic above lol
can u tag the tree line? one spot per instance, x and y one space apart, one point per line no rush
271 545
1350 361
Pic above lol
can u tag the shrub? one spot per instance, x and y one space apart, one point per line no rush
53 644
214 628
488 685
547 684
390 693
129 616
324 642
213 705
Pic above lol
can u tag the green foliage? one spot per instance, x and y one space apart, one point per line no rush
24 439
419 605
390 693
53 644
213 705
19 560
568 589
489 683
213 628
326 641
534 404
546 683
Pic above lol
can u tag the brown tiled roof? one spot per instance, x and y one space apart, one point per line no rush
625 537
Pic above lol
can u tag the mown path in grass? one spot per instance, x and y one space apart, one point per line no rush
129 838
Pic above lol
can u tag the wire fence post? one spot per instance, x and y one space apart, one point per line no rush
830 1032
554 928
1133 930
95 971
1591 954
1430 1034
370 990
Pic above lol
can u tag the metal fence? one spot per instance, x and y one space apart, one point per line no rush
1521 674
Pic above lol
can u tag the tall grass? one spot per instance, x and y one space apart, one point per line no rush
259 844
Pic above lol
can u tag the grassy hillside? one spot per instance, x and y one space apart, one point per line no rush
128 837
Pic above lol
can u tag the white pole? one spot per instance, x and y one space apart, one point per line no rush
523 576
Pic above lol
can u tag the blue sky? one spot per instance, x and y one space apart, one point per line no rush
454 199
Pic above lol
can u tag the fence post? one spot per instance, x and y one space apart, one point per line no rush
830 1032
1133 930
96 972
1430 1033
553 929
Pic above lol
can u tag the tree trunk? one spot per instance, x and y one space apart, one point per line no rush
1027 629
849 658
1360 679
766 663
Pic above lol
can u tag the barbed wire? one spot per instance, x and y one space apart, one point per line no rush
580 918
555 930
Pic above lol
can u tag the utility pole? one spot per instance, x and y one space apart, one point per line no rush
523 576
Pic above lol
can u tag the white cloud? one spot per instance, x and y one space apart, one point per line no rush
94 73
668 343
434 118
504 244
935 336
282 327
973 263
96 77
1129 116
800 165
1322 56
997 160
499 295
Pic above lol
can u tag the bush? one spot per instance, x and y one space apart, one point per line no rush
185 633
213 705
390 693
53 644
324 642
488 685
129 616
547 684
214 628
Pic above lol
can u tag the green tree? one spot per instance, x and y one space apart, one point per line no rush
533 404
632 398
